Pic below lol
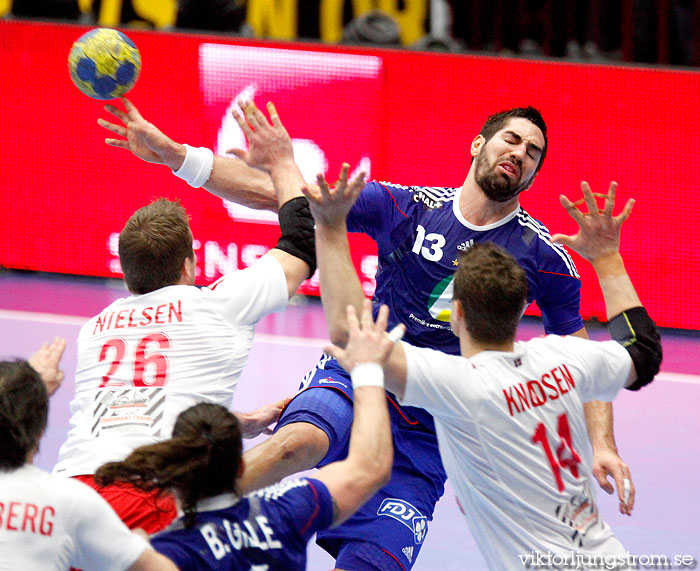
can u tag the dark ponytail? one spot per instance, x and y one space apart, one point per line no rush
201 460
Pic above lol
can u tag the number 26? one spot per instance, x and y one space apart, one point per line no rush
156 364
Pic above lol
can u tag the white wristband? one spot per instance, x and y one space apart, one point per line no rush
197 166
367 375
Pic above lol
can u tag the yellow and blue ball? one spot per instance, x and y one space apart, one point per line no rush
104 63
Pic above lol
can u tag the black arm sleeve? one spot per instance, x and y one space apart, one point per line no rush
636 332
298 231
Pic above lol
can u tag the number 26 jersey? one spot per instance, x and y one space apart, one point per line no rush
146 358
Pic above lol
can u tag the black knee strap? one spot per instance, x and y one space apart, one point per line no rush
638 333
298 236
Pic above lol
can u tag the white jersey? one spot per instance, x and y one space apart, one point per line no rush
513 440
146 358
58 523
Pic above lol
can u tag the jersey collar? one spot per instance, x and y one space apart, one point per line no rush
465 222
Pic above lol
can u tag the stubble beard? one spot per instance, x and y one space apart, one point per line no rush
494 185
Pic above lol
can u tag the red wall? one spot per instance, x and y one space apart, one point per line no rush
63 193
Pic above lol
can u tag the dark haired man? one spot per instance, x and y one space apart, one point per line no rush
47 521
170 345
420 232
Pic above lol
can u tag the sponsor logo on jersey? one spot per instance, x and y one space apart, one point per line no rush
440 299
406 514
408 552
423 195
464 246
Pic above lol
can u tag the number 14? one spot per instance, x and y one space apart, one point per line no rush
566 455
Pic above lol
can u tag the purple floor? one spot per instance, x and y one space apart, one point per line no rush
657 429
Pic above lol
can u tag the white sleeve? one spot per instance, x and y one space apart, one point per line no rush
245 296
102 541
435 381
606 366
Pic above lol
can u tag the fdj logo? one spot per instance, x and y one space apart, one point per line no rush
406 514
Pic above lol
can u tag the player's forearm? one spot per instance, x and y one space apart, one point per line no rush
617 288
370 454
287 181
233 180
599 423
340 285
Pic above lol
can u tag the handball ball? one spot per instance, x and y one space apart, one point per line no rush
104 63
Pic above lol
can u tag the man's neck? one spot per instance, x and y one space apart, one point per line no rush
468 347
479 210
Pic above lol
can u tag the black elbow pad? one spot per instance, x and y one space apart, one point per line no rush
638 333
298 231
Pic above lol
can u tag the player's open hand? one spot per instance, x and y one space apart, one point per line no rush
599 230
139 136
369 341
46 362
269 145
606 463
330 204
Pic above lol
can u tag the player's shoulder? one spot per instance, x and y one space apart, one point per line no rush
432 197
537 245
281 489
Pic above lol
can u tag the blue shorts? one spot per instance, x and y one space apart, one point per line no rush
396 519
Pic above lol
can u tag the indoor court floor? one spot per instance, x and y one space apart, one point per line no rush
657 429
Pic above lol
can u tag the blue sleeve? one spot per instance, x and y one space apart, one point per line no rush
175 551
307 508
559 296
380 208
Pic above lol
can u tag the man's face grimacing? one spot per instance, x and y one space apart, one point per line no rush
506 163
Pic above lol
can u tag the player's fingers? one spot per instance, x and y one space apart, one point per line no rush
357 184
253 115
351 316
131 108
610 199
343 176
121 143
118 113
571 208
588 198
382 317
118 129
625 214
242 123
601 477
334 351
366 317
240 153
323 186
274 116
563 239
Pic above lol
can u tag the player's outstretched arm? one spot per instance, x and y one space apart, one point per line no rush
351 482
46 361
230 179
598 241
340 285
270 150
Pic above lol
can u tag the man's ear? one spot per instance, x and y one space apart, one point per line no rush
477 144
188 270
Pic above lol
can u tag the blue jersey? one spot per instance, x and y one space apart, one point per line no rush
266 530
420 233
